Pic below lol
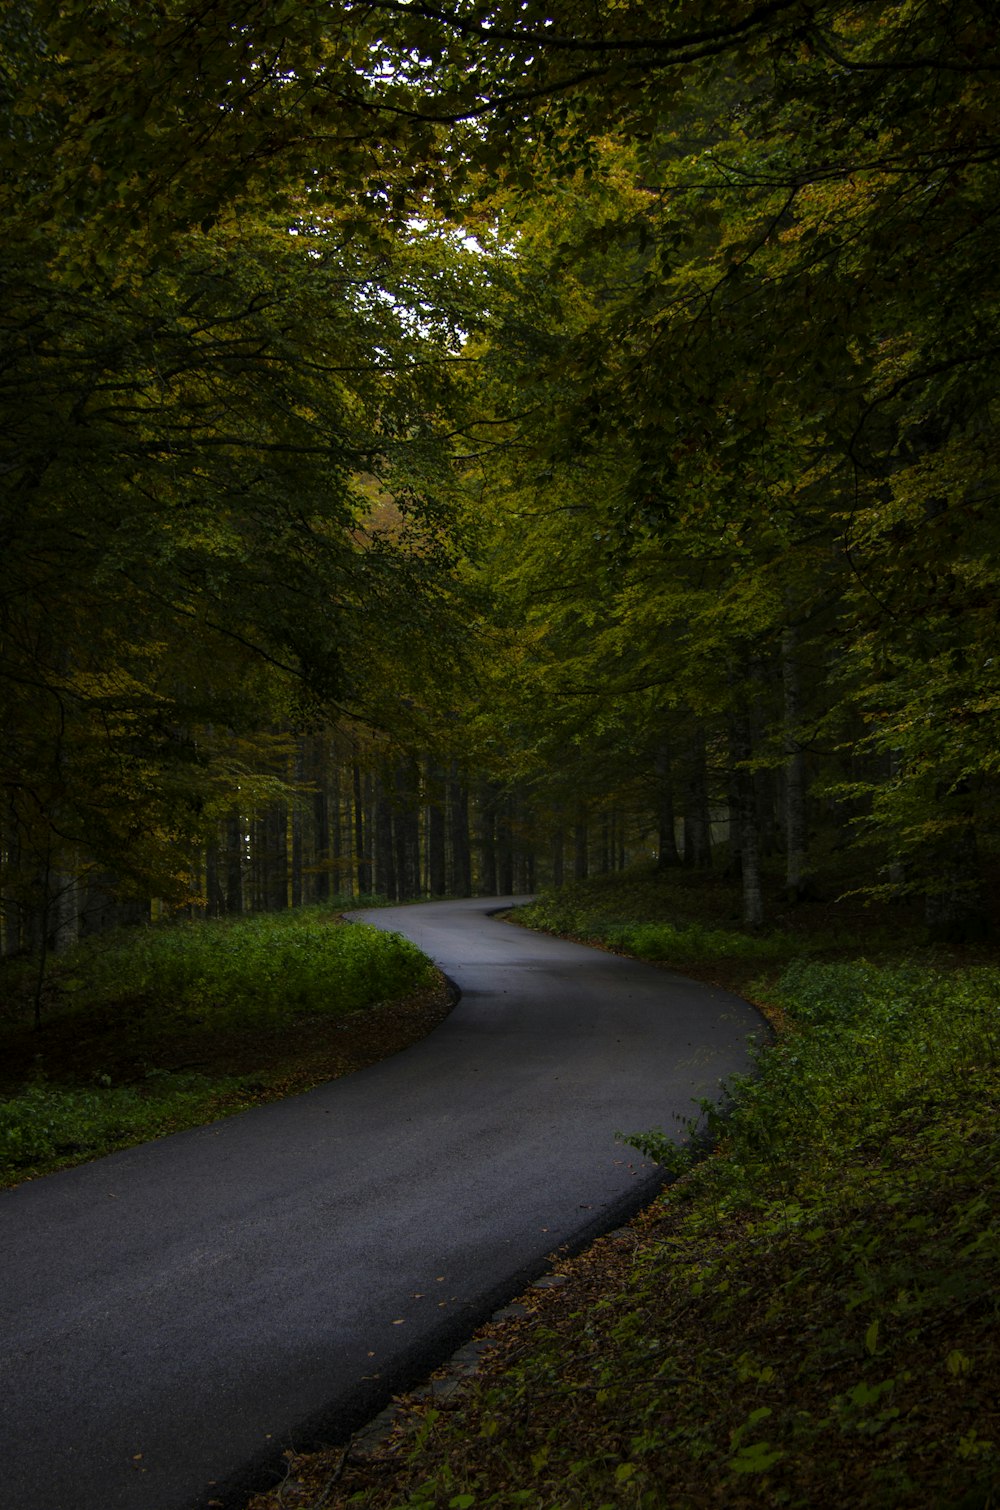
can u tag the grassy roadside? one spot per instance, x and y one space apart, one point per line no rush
155 1030
806 1318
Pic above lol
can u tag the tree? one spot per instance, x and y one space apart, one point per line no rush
201 423
742 273
788 340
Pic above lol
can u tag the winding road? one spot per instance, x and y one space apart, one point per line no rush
175 1315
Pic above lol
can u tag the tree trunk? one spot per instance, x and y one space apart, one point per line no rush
747 816
459 849
233 831
407 829
362 865
486 832
385 879
667 854
954 905
797 878
558 855
697 822
581 857
333 808
65 911
505 848
10 907
524 881
276 864
437 880
215 898
320 888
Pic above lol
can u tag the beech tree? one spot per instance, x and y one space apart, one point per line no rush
740 332
787 341
201 424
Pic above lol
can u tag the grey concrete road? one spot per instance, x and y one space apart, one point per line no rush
175 1315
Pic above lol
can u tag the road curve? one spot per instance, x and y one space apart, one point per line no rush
177 1314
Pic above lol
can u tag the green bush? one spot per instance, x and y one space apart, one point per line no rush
251 970
203 985
52 1122
662 942
869 1046
666 943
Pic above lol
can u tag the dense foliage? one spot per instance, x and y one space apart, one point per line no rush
448 447
218 475
649 353
752 523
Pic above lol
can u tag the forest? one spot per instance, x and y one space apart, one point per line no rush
485 447
452 448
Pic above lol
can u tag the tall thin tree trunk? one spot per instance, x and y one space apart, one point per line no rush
276 839
385 879
407 828
336 838
487 841
42 957
459 848
362 865
897 867
10 916
437 879
558 855
505 847
215 898
797 878
697 822
581 853
256 873
667 854
233 830
320 887
295 839
604 851
747 815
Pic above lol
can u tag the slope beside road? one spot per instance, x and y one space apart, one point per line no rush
177 1314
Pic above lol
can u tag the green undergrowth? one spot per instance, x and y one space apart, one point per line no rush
157 1028
594 912
808 1316
48 1125
269 968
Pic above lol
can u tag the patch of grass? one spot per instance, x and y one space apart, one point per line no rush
808 1316
48 1126
866 1044
690 921
593 913
268 968
154 1029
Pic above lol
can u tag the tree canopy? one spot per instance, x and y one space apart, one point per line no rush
490 383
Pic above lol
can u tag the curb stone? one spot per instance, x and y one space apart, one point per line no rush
463 1364
448 1379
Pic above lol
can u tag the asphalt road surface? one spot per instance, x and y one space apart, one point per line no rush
177 1314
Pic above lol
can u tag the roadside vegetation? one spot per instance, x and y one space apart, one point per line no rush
154 1029
692 921
808 1315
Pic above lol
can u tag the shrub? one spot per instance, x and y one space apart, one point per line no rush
250 970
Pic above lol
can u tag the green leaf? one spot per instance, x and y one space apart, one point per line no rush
756 1457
